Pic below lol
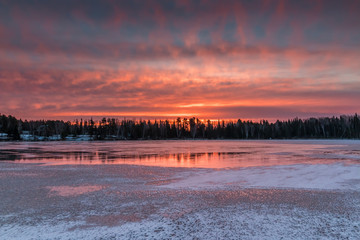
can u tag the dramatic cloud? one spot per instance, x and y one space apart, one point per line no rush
210 59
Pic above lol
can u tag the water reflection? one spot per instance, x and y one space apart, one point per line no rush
250 157
188 159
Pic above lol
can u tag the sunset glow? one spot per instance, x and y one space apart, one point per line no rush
169 59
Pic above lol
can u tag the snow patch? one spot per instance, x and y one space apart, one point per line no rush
321 176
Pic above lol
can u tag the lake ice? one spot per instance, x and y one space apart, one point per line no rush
180 189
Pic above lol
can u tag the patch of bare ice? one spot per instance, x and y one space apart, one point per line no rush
67 191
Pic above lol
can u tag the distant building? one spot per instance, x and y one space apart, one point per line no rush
4 136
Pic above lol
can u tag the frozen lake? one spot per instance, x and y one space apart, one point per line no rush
298 189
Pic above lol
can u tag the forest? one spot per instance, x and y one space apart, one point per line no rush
11 128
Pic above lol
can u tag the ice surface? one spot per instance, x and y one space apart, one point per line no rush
180 190
320 176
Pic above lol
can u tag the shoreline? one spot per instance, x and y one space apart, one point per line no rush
80 139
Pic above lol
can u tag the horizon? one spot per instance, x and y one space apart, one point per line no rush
172 119
271 60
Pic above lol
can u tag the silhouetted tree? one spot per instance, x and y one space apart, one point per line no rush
334 127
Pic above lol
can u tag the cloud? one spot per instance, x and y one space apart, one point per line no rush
151 58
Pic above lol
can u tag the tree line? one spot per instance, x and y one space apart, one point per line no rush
180 128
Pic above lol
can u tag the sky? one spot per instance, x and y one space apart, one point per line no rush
167 59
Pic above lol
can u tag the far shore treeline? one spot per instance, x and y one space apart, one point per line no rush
181 128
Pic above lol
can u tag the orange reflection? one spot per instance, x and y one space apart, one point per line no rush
214 160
